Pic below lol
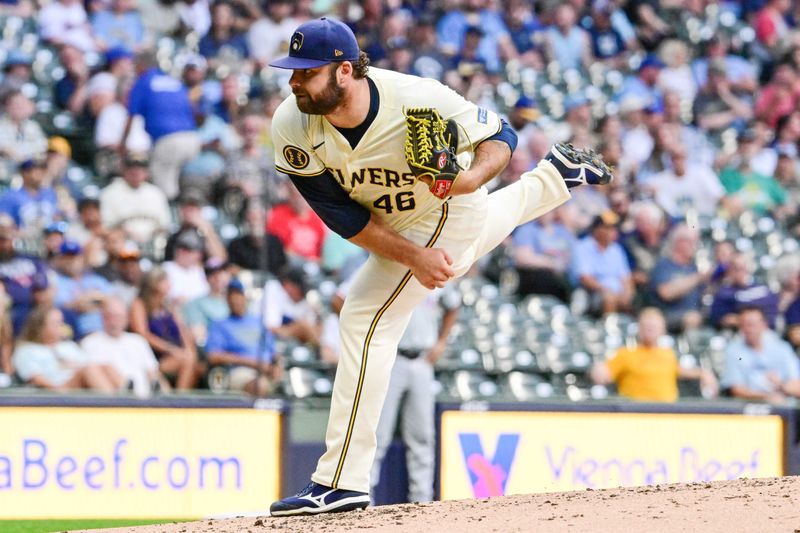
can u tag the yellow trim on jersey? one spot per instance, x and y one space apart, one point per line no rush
295 173
365 350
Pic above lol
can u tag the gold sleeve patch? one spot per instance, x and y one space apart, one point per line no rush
297 158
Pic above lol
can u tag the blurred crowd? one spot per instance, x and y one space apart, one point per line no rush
147 242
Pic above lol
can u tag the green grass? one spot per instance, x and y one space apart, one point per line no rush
42 526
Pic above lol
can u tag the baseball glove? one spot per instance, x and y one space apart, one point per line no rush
430 147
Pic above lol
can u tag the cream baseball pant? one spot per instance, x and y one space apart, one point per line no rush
383 296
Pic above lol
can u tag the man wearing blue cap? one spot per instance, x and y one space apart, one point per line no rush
79 292
33 205
236 342
643 84
119 62
17 72
340 138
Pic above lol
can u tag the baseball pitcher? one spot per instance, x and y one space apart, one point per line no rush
396 164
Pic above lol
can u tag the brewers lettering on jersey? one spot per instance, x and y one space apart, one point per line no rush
375 173
340 138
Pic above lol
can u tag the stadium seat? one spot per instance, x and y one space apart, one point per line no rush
469 385
307 382
526 387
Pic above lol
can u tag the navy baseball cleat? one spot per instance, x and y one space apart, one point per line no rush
316 498
579 167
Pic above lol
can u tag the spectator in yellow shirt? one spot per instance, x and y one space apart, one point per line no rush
648 372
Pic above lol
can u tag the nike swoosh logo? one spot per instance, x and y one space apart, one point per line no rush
317 146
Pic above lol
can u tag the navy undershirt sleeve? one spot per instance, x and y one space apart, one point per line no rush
506 135
334 206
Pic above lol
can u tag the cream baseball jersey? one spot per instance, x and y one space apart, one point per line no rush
375 173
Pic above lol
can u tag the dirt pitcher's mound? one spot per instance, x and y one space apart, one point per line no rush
751 505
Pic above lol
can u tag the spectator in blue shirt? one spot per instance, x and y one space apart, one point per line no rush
607 43
468 61
229 106
676 286
163 102
223 34
201 311
522 25
739 290
79 291
791 320
17 273
542 256
643 244
70 91
643 86
32 206
242 343
601 268
429 61
399 55
740 73
758 364
566 42
368 29
452 28
119 25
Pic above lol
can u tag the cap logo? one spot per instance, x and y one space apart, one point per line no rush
297 41
297 158
338 52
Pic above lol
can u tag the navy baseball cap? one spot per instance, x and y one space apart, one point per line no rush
33 162
39 281
236 285
70 248
17 57
651 61
526 106
118 52
318 42
56 227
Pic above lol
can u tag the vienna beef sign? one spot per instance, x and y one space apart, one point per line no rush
488 454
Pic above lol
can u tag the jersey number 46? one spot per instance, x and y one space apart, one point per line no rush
403 201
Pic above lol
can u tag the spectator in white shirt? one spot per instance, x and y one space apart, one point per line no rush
269 36
287 313
128 353
111 118
109 130
686 186
195 15
128 270
101 92
21 137
135 205
186 275
65 22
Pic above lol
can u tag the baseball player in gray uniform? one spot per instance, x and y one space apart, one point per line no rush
341 139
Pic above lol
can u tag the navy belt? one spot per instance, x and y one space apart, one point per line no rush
409 354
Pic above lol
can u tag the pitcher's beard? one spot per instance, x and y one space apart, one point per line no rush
326 102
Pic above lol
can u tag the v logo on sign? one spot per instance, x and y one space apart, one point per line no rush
488 476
